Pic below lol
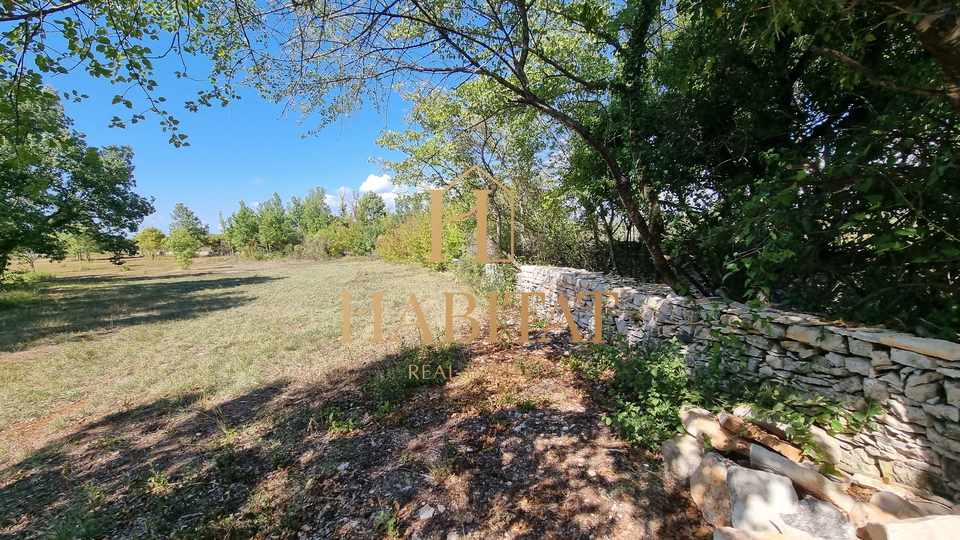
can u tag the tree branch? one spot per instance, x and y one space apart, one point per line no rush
42 12
871 76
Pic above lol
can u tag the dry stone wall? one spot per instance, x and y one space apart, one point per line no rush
916 380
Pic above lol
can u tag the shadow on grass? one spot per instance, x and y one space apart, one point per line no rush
111 302
349 458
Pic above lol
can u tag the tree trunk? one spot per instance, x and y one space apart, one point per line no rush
613 256
623 186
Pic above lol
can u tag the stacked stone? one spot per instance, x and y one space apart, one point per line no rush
915 380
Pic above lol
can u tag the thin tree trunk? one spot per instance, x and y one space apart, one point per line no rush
613 255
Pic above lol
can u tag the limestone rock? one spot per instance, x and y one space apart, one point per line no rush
893 504
930 347
876 390
952 388
811 481
860 366
708 489
946 412
704 426
912 359
729 533
758 498
832 450
681 457
925 528
818 337
880 359
922 392
863 513
860 348
820 520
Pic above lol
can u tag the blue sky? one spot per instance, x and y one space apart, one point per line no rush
244 151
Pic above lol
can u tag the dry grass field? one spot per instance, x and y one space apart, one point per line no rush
216 402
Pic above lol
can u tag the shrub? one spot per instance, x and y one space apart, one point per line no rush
410 241
647 386
184 246
342 239
313 248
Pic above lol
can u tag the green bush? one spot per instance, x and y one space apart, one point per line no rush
342 239
314 248
410 241
647 387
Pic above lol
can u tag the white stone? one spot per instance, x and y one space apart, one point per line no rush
681 458
818 337
925 528
924 377
836 360
426 512
849 385
951 372
876 390
912 359
893 381
947 412
757 498
880 359
860 348
861 366
922 392
952 388
930 347
708 489
729 533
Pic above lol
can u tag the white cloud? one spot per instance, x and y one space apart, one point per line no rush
256 180
255 204
377 184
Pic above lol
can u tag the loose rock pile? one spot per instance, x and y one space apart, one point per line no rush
765 494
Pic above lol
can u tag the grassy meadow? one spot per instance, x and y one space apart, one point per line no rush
100 335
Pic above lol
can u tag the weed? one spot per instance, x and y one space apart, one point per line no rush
386 522
113 443
440 471
527 406
59 423
158 483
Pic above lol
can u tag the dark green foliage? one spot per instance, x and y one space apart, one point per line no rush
52 184
799 155
646 387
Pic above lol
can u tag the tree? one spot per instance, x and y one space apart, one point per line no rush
187 234
29 257
80 244
184 218
54 186
451 130
275 228
792 175
242 228
311 213
150 241
184 246
371 207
